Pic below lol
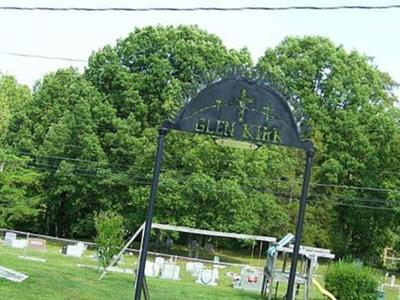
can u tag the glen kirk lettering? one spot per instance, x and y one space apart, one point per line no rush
255 133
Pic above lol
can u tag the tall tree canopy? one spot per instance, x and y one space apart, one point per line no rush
12 96
19 194
353 119
144 77
62 130
145 74
92 137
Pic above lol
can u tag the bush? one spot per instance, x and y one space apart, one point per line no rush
348 281
110 236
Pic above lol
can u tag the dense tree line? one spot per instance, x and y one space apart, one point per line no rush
79 144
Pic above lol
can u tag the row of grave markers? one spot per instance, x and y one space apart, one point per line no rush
11 240
170 270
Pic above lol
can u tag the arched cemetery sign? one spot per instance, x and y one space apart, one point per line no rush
240 112
243 110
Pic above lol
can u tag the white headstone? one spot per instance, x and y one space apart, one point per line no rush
76 250
250 279
9 237
20 244
149 269
156 269
170 271
81 245
160 261
196 269
207 277
189 267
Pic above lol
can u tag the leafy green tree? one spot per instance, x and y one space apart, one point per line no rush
62 130
145 74
109 236
20 193
12 97
351 111
19 185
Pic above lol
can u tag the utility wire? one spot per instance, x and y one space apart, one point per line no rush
367 206
316 197
360 203
130 166
146 181
43 56
210 8
130 180
92 171
279 180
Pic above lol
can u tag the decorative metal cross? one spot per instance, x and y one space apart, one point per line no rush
219 104
266 111
243 100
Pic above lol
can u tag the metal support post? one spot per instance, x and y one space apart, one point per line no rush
152 201
299 225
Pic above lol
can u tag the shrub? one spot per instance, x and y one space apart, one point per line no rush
349 281
110 236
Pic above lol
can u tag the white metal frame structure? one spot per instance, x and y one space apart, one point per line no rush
239 236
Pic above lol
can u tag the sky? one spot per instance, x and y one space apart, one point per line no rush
76 35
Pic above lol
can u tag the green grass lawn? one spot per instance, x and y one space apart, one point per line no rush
60 278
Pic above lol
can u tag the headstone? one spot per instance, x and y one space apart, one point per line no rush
12 275
160 261
250 279
189 267
75 250
37 244
170 271
207 277
194 268
149 269
20 244
9 237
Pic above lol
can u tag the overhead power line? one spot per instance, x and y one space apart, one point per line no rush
367 206
43 56
355 202
210 8
343 186
315 197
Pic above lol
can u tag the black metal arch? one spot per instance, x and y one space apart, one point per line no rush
236 108
247 104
